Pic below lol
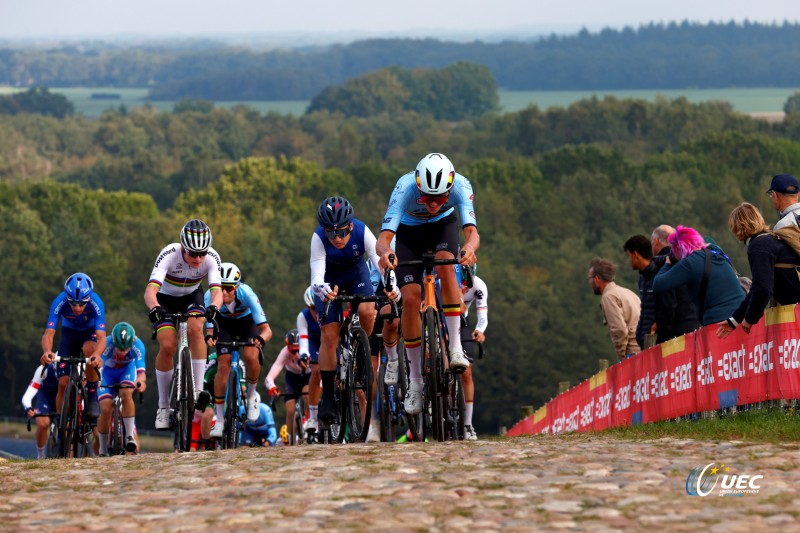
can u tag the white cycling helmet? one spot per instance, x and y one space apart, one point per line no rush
230 274
435 175
308 297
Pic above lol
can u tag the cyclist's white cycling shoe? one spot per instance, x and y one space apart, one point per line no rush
390 375
311 425
162 418
216 431
252 410
130 444
469 433
413 401
374 433
458 361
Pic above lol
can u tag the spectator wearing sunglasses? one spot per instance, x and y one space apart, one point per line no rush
174 287
241 318
338 249
422 216
82 315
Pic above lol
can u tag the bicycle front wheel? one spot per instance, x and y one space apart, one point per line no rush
231 438
185 401
359 385
435 361
69 419
116 438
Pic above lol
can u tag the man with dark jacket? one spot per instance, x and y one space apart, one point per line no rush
640 255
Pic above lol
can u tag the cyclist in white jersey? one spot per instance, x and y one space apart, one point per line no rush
174 287
422 215
479 294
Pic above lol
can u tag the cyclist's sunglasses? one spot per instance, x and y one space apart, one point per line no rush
340 232
439 198
78 303
229 288
197 254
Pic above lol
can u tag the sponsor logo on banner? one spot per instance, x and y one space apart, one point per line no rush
704 480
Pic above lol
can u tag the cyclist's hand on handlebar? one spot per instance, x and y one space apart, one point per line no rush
388 260
322 290
96 361
141 385
30 412
467 256
259 341
47 358
211 340
212 313
156 314
274 391
478 336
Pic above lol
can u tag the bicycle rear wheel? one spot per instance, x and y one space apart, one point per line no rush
455 401
359 385
387 395
52 440
231 436
115 435
338 429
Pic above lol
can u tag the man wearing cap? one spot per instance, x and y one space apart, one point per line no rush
784 191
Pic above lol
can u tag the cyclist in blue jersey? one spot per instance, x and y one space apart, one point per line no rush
338 249
309 335
83 331
422 217
241 318
123 364
261 431
174 287
43 389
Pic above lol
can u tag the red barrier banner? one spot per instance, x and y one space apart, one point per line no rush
696 372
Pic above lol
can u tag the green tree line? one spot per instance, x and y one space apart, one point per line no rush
552 190
665 56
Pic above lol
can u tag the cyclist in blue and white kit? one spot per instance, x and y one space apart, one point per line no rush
261 431
44 388
123 364
338 249
83 331
422 216
479 294
241 318
309 334
174 287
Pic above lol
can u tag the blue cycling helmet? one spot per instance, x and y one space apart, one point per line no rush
335 212
79 287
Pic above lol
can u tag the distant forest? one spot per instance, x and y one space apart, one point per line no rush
655 56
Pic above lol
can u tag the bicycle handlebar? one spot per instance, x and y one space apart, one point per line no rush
429 261
358 298
40 415
244 344
182 317
121 386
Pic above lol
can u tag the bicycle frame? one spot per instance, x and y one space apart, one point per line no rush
234 415
72 428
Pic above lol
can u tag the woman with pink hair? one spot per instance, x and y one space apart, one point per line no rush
694 261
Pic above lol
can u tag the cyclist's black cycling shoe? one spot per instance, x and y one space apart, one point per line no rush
92 408
130 444
327 411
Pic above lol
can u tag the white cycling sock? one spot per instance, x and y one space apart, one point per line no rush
391 351
251 390
40 452
199 370
312 412
164 380
415 364
468 413
219 410
454 327
103 438
130 425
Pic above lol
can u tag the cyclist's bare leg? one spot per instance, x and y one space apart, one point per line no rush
165 363
329 341
63 381
42 430
252 368
104 420
314 391
195 329
289 413
91 372
390 334
451 301
412 330
221 384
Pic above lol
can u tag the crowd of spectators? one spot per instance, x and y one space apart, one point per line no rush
687 281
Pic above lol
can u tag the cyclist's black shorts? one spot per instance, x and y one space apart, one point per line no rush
413 241
180 304
235 329
294 385
467 342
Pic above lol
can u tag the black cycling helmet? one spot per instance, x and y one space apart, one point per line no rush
335 212
196 236
292 338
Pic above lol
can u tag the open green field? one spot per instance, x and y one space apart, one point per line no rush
750 100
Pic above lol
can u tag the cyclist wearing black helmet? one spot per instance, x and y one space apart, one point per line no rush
338 248
298 372
174 287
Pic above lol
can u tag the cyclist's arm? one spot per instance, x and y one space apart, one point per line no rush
302 333
47 340
100 347
318 260
276 368
150 295
472 242
383 247
213 263
33 388
481 303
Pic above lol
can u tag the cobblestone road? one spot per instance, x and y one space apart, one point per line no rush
573 482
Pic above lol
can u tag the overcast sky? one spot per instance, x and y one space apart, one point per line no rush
109 18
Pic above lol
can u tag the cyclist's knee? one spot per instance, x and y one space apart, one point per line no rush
194 326
105 406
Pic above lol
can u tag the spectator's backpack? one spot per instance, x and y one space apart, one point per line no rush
791 236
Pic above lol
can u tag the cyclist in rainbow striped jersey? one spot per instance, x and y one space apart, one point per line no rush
422 216
174 287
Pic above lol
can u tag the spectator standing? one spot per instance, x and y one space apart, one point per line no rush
620 306
675 313
640 257
773 263
711 281
784 191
